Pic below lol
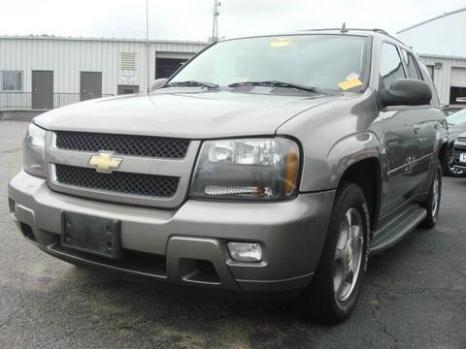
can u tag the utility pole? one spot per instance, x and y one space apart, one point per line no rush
147 49
216 13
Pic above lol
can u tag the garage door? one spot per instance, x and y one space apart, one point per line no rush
165 67
458 77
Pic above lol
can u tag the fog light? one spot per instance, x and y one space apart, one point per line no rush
245 251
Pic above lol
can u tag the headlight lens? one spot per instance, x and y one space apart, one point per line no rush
257 169
33 151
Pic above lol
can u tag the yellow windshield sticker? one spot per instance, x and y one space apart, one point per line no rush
351 83
280 42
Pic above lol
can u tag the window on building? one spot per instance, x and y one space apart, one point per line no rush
391 67
411 65
12 80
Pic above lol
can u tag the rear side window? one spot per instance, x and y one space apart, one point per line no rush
411 65
391 67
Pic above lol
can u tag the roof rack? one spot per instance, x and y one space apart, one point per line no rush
375 30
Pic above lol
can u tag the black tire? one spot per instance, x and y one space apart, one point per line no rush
449 169
433 210
320 301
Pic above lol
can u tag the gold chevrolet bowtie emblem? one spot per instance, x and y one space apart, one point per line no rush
104 162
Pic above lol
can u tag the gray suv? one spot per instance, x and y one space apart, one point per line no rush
265 164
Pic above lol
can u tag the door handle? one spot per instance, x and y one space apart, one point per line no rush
417 130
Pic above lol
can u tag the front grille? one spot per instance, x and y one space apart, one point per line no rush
155 147
118 182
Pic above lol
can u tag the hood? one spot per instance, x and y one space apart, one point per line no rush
457 130
187 115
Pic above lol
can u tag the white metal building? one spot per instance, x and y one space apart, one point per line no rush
441 42
43 72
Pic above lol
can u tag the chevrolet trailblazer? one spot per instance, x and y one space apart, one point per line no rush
265 164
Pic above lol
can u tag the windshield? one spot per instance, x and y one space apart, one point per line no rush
331 62
457 118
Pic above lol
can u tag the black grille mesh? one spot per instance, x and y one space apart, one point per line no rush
156 147
118 182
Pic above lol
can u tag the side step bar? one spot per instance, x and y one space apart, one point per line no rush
396 229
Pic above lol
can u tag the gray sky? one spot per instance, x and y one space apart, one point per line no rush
191 19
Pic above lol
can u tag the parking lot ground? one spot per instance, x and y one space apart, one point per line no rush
414 295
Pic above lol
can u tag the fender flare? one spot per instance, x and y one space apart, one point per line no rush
352 149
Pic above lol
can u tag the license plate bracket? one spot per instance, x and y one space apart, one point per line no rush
90 234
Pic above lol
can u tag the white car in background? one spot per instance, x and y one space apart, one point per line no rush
456 127
460 153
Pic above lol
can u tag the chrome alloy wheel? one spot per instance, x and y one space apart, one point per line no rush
435 196
348 254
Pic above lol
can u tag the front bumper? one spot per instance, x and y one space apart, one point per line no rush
188 245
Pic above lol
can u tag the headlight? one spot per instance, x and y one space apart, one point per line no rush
259 168
33 151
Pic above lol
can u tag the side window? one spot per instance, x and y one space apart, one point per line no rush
12 80
391 67
411 65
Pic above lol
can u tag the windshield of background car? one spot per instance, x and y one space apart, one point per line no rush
333 62
457 118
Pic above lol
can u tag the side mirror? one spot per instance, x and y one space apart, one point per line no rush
406 92
158 84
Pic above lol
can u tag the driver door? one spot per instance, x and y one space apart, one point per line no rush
402 133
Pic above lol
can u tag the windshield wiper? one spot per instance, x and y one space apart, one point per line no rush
280 84
192 83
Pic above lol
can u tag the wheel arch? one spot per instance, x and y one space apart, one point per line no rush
357 158
367 174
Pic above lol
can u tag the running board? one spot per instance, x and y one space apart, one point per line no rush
396 229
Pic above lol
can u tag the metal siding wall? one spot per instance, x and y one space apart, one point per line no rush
442 76
68 57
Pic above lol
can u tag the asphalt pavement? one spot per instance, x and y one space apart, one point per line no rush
414 295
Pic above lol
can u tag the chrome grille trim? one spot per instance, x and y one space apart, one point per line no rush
117 182
147 146
180 168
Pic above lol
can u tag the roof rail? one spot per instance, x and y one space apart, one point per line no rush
375 30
